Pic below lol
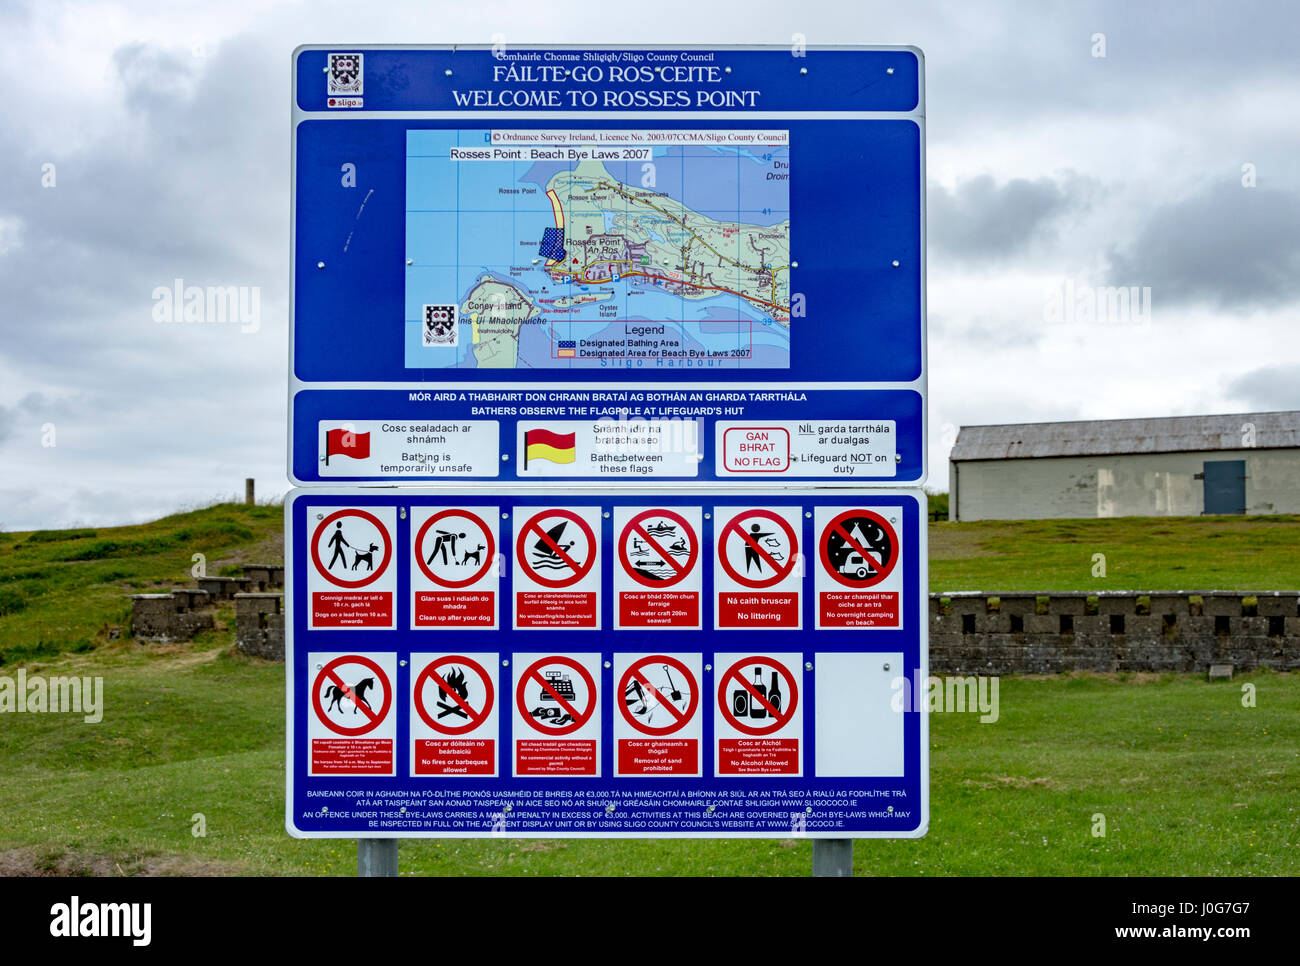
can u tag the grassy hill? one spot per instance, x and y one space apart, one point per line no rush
1190 781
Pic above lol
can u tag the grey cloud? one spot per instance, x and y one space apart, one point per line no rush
981 220
1228 247
1270 389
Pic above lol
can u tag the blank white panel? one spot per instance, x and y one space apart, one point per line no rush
858 733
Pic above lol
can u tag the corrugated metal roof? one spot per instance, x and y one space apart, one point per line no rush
1107 437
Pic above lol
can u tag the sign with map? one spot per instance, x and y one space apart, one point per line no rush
701 264
669 246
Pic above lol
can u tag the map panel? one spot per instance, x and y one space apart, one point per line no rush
585 249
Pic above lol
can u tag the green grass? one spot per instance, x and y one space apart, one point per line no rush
1190 782
1140 553
66 590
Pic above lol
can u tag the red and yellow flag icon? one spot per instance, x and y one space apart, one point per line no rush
542 444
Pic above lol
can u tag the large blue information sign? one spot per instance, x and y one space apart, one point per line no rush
677 265
575 663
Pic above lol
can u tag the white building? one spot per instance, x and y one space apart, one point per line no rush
1171 466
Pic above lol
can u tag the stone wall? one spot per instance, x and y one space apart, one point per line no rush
259 625
163 618
1045 633
184 611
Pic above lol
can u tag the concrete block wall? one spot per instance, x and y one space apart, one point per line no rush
185 611
259 625
1047 633
163 618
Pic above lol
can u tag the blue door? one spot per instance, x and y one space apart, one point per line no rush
1225 486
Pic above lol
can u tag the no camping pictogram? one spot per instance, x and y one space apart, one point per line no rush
658 548
555 697
454 548
548 548
650 685
859 548
334 697
454 711
771 698
364 528
768 555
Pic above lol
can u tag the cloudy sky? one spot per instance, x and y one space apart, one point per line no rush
1051 170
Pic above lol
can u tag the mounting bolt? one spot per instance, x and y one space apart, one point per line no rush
808 809
803 70
886 667
447 72
320 264
889 70
807 665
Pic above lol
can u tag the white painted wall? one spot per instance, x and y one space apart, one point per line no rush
1154 484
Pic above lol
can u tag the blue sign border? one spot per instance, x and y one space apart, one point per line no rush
911 790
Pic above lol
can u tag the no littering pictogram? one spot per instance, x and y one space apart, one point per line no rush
767 555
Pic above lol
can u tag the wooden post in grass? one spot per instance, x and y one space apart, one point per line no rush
248 492
376 858
832 858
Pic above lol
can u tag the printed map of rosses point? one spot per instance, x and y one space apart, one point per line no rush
584 249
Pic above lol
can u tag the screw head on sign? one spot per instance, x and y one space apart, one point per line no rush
320 264
508 809
794 264
708 667
609 809
447 72
895 263
505 457
886 667
726 70
320 516
607 664
708 516
808 514
898 457
402 809
505 663
410 261
710 810
889 808
808 809
505 516
802 71
402 513
889 70
319 666
607 514
402 662
807 665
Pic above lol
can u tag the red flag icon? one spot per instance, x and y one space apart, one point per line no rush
342 442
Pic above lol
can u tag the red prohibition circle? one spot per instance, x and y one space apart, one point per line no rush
427 675
823 548
684 717
777 722
578 719
489 554
734 527
370 578
373 722
532 526
625 558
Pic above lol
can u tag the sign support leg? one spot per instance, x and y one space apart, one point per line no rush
376 858
832 858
